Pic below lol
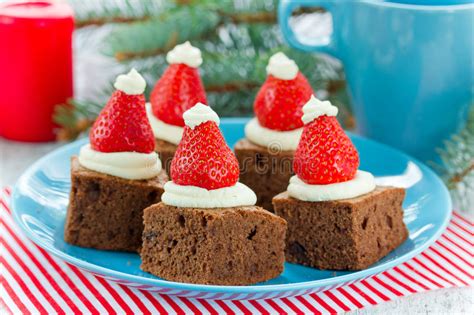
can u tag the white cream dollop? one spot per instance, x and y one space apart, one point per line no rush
131 83
197 197
128 165
162 130
282 67
185 53
199 114
361 184
315 108
274 139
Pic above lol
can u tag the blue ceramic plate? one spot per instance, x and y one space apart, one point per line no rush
40 200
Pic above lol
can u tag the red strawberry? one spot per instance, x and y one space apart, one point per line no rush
279 103
179 88
123 126
203 159
325 154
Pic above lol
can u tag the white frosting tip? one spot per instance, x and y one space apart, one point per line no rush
199 114
131 83
315 108
185 53
282 67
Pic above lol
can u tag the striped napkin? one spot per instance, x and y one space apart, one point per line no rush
34 282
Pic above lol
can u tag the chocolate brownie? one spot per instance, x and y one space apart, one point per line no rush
349 234
265 170
166 152
106 212
222 246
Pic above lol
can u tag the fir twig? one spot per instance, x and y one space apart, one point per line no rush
99 21
97 13
159 34
457 168
253 17
459 177
75 117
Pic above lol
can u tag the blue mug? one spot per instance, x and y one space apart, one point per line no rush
409 67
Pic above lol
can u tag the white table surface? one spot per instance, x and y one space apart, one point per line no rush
15 157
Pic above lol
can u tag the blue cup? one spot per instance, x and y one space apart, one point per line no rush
409 67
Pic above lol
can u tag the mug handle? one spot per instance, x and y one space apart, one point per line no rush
286 7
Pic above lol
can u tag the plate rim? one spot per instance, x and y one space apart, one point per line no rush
121 276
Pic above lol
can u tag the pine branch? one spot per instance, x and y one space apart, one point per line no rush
99 21
255 17
93 12
75 117
98 13
160 34
457 169
459 177
261 12
204 20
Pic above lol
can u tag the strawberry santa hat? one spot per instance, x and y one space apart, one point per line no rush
279 102
121 139
203 158
326 161
180 87
122 125
325 154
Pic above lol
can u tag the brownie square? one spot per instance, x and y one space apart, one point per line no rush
349 234
166 151
106 212
222 246
265 170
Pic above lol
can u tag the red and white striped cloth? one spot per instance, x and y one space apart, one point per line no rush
34 282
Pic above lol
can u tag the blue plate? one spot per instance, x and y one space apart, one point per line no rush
40 200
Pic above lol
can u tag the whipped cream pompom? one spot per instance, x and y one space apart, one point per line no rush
315 108
185 53
131 83
282 67
199 114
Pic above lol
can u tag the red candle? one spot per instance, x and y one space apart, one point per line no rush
35 67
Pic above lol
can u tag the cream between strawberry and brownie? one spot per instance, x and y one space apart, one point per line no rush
179 88
121 139
278 105
204 171
326 162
